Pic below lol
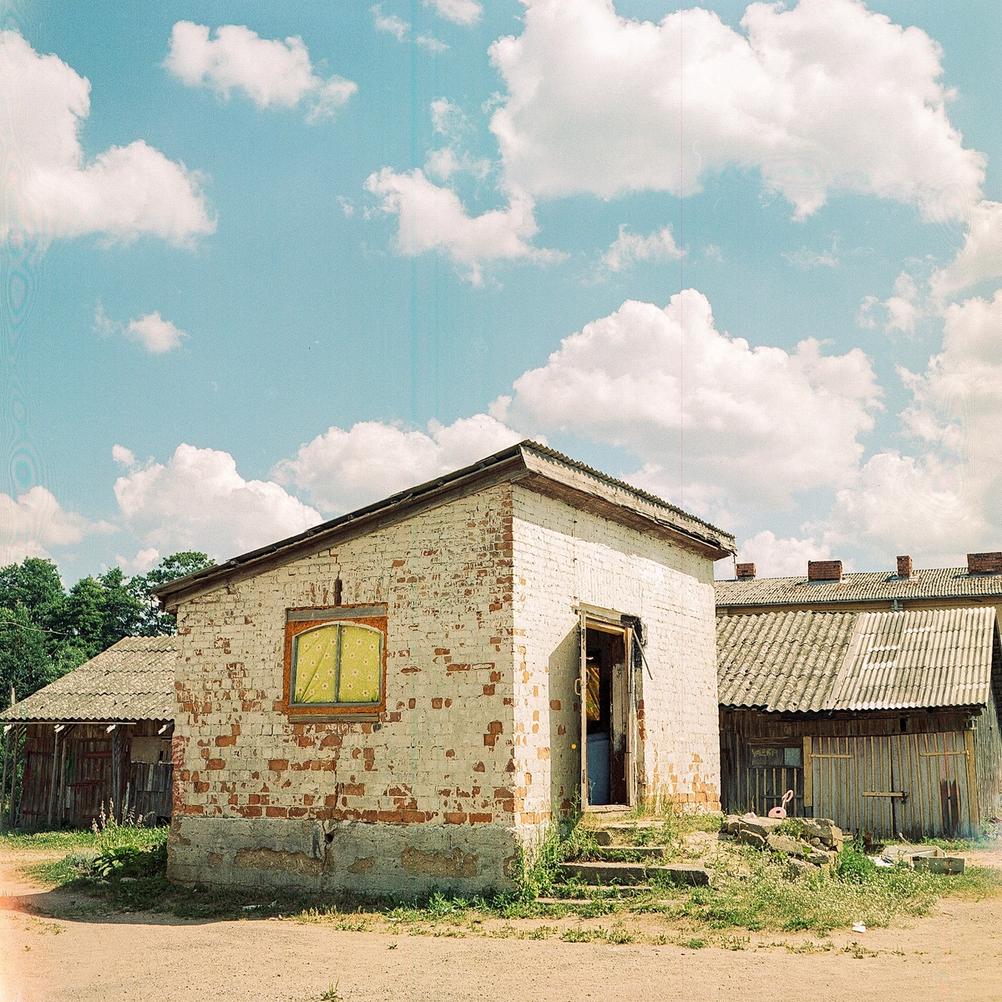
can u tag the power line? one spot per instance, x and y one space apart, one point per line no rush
37 629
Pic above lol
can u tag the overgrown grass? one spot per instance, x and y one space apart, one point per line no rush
750 891
753 891
48 840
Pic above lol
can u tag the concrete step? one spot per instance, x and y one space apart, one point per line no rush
599 872
620 851
625 832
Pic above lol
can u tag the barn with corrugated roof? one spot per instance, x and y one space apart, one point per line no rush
873 697
97 738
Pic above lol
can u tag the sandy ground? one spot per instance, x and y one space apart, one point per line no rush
954 954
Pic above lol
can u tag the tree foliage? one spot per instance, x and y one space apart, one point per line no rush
153 621
47 630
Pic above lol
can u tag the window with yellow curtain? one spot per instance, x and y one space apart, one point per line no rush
337 665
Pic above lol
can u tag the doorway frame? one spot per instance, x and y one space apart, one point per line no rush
602 620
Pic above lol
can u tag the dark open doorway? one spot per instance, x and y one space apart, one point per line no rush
606 715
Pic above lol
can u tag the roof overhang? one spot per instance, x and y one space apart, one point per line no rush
529 464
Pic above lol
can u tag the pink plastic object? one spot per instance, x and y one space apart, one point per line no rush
780 812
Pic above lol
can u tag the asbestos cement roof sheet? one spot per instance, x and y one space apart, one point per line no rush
867 586
132 680
917 658
825 660
781 661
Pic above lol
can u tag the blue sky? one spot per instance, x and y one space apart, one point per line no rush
342 264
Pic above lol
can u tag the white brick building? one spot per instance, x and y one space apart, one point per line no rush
392 701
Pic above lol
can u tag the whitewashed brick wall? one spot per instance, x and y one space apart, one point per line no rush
472 755
563 556
438 764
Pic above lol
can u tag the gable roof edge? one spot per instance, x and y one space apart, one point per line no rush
526 462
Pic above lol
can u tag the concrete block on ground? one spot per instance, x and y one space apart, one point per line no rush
939 864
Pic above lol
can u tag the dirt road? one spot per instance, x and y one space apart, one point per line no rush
954 954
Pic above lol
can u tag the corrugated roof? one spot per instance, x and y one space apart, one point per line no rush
528 462
781 661
866 586
131 680
918 658
822 660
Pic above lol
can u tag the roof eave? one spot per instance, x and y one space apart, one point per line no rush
526 461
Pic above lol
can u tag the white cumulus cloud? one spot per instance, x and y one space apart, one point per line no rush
920 505
343 469
390 24
400 29
198 500
449 121
51 190
939 500
465 12
144 560
824 96
35 521
775 556
123 455
980 257
900 312
701 409
629 248
157 335
432 218
272 72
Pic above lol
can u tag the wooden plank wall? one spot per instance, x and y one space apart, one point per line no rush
988 747
916 773
846 772
92 770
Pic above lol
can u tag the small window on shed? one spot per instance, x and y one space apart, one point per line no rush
334 665
338 664
793 757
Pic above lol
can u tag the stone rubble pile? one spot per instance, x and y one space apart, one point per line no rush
806 842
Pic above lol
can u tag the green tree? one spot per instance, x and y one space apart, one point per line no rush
154 621
34 585
31 601
46 631
25 661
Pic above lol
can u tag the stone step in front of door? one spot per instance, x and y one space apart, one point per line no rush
624 852
599 872
627 831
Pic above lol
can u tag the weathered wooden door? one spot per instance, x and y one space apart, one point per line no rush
884 785
852 783
933 772
88 783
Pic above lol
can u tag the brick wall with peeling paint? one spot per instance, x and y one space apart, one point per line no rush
402 801
473 755
563 556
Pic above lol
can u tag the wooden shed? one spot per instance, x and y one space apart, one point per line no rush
99 735
885 722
